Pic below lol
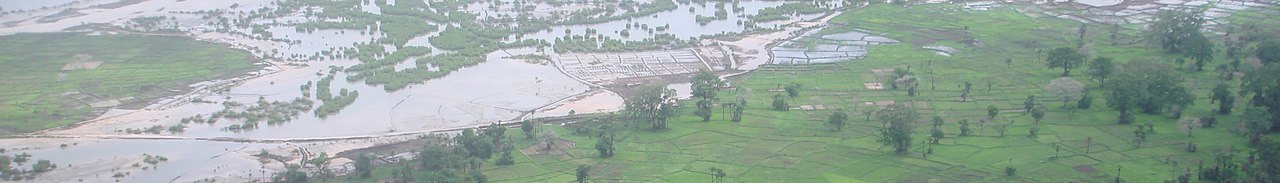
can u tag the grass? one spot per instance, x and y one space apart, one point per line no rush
795 146
143 67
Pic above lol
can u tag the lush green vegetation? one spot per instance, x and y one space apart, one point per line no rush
785 11
47 81
997 133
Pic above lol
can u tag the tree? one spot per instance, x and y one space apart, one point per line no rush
1269 51
937 121
1267 166
1189 124
1264 85
1223 96
898 133
1255 123
1066 89
322 163
605 146
1085 102
548 138
899 74
1200 49
1223 170
936 135
653 105
1029 103
1174 30
1037 113
964 127
292 174
992 111
496 133
718 174
364 165
738 109
582 173
837 120
705 85
527 127
964 92
1140 135
793 89
505 159
1149 86
1100 69
1065 58
780 104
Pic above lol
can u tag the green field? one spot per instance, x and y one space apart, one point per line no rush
42 72
797 146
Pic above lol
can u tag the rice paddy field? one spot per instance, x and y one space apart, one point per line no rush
996 51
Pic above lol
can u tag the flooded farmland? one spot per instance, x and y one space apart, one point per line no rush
402 77
504 88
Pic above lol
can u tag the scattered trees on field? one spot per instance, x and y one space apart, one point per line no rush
581 173
780 103
1066 89
1264 85
793 89
992 112
1269 51
1065 58
899 118
1101 69
1224 97
705 85
1151 87
653 105
837 120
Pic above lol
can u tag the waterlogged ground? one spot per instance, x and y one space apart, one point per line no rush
501 89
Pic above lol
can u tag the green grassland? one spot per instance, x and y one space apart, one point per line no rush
33 82
796 146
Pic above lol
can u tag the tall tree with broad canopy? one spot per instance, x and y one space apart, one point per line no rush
1065 58
1264 85
1224 97
1148 86
705 85
1175 30
653 105
837 120
1101 69
899 118
1269 51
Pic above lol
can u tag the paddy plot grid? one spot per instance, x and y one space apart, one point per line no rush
602 67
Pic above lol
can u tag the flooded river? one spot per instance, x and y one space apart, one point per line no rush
498 90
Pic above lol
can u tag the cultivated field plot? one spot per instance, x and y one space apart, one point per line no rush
602 68
816 47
